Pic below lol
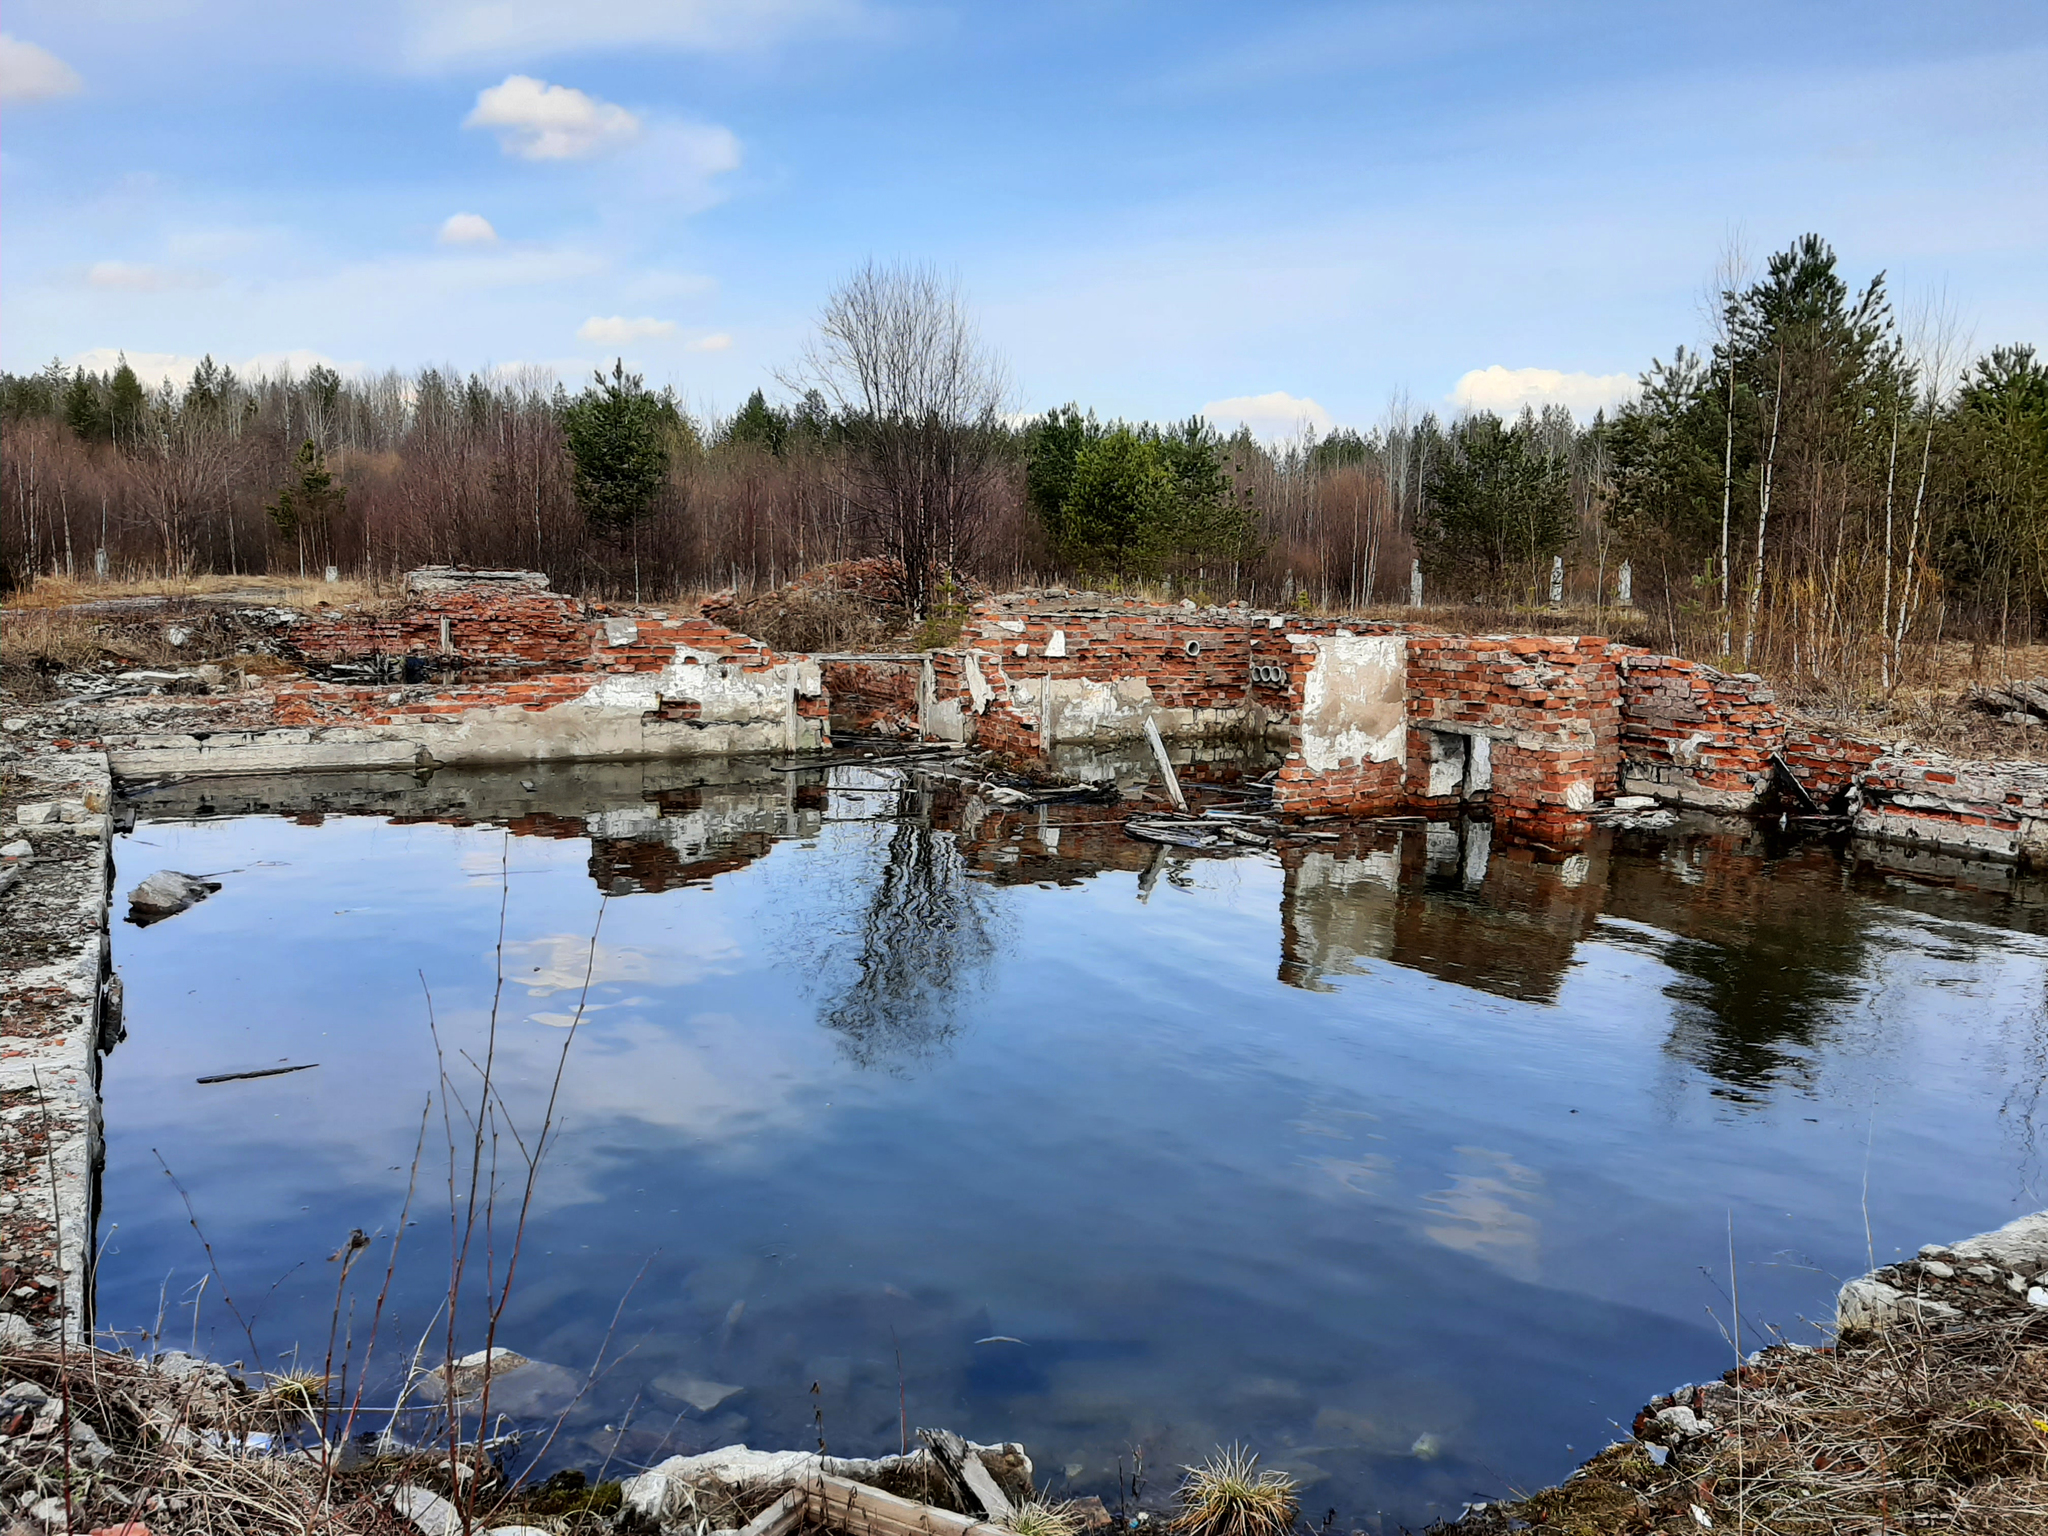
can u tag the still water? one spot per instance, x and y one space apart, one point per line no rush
1412 1163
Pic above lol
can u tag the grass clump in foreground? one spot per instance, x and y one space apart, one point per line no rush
1038 1518
1228 1495
1911 1429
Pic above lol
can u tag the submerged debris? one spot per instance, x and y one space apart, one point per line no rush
165 894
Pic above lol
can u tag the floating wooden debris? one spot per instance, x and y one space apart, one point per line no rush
236 1077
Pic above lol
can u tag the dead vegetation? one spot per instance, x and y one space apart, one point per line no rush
278 591
1228 1495
49 653
1913 1429
852 606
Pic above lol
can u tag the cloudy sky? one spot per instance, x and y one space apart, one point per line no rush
1275 212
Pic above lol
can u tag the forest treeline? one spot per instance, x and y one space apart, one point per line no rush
1810 488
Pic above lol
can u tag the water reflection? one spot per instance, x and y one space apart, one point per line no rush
1769 941
1395 1153
917 947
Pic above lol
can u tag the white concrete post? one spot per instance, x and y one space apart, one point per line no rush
333 575
1557 581
1624 582
1415 585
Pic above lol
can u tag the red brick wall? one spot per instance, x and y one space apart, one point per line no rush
873 697
1825 763
1354 789
1140 640
1714 729
488 626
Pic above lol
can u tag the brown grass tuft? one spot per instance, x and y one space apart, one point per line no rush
1229 1496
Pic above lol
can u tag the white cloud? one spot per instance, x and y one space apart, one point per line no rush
467 229
154 368
718 341
538 121
529 29
135 277
617 330
1504 391
29 73
1276 414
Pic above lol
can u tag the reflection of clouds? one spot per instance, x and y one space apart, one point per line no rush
712 1076
483 863
558 962
1482 1212
1361 1175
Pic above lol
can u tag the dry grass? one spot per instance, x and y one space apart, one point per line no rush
1910 1431
1036 1517
1229 1496
276 591
174 1451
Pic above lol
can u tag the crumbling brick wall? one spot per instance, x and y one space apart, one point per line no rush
1998 810
874 698
1826 764
1110 664
1694 733
1543 709
479 619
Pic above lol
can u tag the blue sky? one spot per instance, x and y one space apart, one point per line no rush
1273 212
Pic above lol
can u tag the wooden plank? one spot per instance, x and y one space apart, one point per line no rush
965 1471
1784 768
781 1517
860 1510
1180 802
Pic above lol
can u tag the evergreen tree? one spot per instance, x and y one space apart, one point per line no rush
1120 498
760 424
1496 502
618 437
1053 444
127 403
308 502
85 407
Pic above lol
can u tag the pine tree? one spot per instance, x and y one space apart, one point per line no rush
127 403
618 440
85 408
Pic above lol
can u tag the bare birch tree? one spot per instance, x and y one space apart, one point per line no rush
920 399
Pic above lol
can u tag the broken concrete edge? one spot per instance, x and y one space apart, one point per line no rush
658 1495
1939 1284
60 1015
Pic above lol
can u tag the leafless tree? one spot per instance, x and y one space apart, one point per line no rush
921 399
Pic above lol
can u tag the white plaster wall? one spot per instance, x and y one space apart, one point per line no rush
1354 701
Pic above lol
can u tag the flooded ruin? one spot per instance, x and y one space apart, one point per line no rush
1410 1157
